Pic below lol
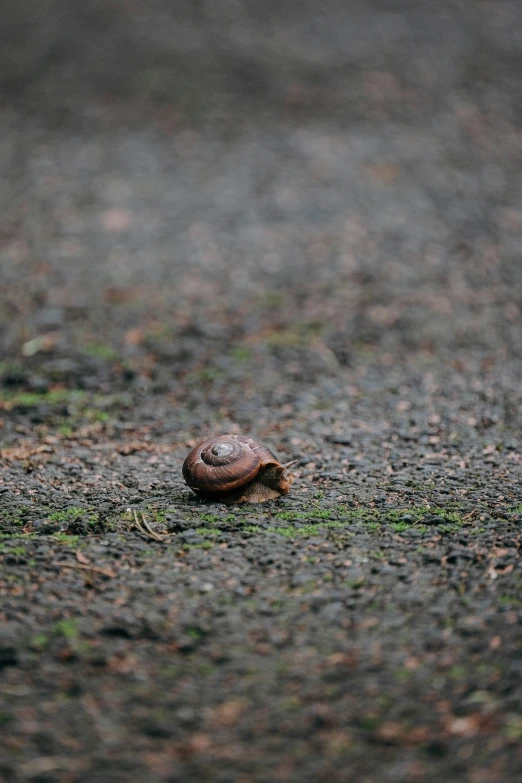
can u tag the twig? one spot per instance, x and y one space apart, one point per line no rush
104 571
145 528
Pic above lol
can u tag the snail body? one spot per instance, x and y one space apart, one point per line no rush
236 469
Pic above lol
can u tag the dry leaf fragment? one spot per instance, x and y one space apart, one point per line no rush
104 571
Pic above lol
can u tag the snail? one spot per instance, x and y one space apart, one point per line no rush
236 469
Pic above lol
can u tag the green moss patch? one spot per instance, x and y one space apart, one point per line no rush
25 399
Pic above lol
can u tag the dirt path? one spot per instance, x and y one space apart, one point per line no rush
301 226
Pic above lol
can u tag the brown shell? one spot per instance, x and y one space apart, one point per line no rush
207 471
236 469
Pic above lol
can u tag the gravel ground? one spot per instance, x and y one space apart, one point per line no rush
300 222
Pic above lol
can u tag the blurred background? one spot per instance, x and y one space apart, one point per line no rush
199 190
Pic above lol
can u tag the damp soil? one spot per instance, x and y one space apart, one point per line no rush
304 228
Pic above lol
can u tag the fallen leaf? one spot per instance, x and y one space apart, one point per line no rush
383 173
105 571
116 220
463 727
228 713
134 337
44 342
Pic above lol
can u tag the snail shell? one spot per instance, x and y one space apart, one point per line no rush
237 469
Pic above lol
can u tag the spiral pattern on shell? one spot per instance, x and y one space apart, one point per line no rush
225 463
